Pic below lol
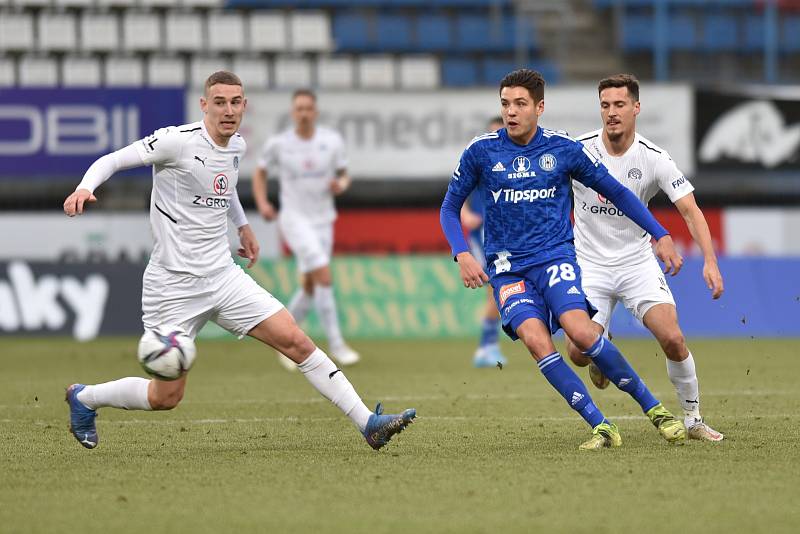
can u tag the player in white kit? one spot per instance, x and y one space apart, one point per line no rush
310 162
615 255
191 277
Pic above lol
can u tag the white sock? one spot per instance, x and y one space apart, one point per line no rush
684 378
325 303
299 305
126 393
334 386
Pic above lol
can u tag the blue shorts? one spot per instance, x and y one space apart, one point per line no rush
538 290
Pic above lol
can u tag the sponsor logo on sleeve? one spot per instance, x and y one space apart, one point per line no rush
679 182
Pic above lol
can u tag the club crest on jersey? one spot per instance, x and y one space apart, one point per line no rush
511 289
522 168
220 184
547 162
236 162
634 174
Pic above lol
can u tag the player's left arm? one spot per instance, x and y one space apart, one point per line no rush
341 182
247 238
698 227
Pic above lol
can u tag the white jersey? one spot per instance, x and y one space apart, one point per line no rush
305 168
603 235
194 181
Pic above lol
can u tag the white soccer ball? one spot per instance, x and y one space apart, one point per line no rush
166 353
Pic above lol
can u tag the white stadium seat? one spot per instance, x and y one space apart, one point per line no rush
58 32
336 72
99 32
16 32
203 4
38 72
200 68
80 4
254 72
8 76
226 32
80 72
30 3
292 73
166 72
166 4
267 31
419 72
117 3
141 32
184 32
124 72
310 31
376 72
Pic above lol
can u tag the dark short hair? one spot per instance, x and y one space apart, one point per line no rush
527 78
224 77
304 92
621 80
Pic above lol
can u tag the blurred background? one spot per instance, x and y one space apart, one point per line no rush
408 83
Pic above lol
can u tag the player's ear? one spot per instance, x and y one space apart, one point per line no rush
203 104
636 108
540 108
244 104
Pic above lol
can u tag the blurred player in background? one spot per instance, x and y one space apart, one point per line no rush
311 164
523 174
615 256
191 277
488 352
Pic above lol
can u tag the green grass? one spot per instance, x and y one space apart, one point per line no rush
254 449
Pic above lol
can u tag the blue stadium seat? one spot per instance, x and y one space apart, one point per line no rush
393 33
482 33
459 72
682 33
434 33
351 32
753 34
495 69
637 33
720 33
790 34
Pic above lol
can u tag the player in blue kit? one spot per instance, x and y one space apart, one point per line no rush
523 176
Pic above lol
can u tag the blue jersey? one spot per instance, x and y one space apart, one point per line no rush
526 194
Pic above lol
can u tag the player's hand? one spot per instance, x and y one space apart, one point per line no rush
340 185
249 248
713 279
665 251
472 274
470 220
74 203
267 210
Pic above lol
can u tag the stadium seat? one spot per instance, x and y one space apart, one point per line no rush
790 34
80 72
310 31
166 72
419 72
485 34
99 32
57 32
637 33
38 72
29 3
495 69
200 68
459 72
393 33
292 73
754 37
682 33
79 4
226 32
158 4
267 30
202 4
126 4
336 72
184 32
141 32
254 72
720 33
351 32
16 32
434 33
8 77
124 71
376 72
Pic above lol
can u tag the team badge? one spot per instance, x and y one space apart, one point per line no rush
236 162
634 174
220 184
521 164
547 162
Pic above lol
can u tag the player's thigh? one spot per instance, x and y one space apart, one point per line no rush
518 300
643 286
662 321
304 241
175 299
598 284
240 303
536 337
281 332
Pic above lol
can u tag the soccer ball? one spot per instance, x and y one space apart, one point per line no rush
166 352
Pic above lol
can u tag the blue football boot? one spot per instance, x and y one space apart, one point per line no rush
380 428
81 418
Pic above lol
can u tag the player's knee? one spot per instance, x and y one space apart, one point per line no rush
673 343
577 357
166 400
583 339
298 345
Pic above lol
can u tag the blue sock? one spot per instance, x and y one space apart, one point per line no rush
613 364
566 382
490 329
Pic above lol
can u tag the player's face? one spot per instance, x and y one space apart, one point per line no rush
520 113
304 112
224 106
618 111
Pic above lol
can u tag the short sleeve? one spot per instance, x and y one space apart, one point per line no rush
267 158
670 179
162 147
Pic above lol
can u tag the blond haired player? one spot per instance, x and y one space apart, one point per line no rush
615 255
191 277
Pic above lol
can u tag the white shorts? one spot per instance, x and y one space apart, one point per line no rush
639 287
228 297
311 244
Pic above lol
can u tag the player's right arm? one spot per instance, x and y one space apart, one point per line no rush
463 181
264 206
159 148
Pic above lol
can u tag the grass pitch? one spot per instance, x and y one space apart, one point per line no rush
254 449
